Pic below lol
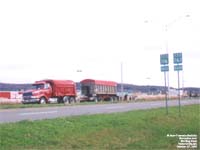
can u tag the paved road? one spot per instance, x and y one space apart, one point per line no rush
14 115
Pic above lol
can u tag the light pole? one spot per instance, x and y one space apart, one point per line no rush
148 85
79 71
122 86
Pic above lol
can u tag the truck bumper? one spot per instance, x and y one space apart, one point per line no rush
28 101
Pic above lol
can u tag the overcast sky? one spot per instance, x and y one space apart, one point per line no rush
42 39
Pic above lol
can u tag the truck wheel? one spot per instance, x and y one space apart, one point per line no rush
42 100
60 100
72 100
66 100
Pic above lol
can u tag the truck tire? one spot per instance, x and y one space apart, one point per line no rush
72 100
66 99
43 100
60 100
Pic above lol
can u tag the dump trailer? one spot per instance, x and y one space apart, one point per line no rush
51 91
99 89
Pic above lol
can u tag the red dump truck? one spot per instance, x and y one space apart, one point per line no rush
51 91
99 89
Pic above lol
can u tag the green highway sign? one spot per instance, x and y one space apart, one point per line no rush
164 68
178 67
164 59
178 58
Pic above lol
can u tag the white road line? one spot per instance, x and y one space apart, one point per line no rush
37 113
115 107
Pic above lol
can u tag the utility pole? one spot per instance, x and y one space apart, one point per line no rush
122 86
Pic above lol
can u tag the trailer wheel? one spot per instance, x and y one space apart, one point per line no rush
112 99
115 98
43 100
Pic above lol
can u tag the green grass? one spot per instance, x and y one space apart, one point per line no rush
134 130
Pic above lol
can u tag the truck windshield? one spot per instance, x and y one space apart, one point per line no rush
38 86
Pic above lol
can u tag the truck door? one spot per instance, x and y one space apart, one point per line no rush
48 90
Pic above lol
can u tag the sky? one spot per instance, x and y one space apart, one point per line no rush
99 39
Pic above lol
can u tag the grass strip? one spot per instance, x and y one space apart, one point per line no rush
134 130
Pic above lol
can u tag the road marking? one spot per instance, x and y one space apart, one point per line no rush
115 107
37 113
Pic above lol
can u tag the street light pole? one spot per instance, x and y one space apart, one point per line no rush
122 86
148 85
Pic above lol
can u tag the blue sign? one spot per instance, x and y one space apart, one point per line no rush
164 59
178 67
164 68
178 58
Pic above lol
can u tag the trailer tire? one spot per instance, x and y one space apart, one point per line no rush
42 100
112 99
115 98
96 99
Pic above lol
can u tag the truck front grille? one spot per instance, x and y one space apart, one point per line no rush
27 96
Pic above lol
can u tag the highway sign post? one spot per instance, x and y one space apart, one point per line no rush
164 61
178 67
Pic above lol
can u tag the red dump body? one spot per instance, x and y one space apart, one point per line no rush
99 89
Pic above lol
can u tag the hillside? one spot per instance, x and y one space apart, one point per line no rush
14 87
128 88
